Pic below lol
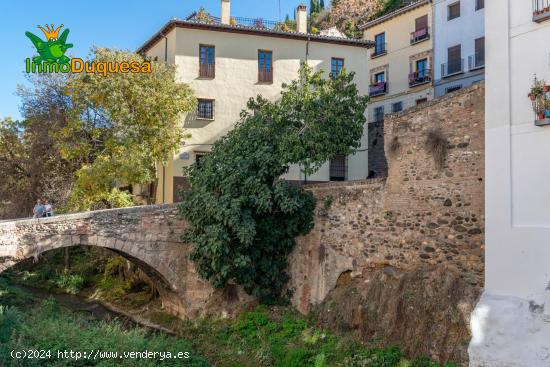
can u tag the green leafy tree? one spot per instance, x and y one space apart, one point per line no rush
243 217
314 6
84 137
31 165
118 126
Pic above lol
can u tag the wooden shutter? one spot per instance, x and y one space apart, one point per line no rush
421 23
454 53
480 45
454 10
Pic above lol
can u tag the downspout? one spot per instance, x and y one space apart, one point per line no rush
434 40
307 58
164 165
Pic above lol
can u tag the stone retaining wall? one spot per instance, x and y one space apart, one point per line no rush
420 217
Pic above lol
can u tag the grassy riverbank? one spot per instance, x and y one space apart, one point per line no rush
274 336
27 324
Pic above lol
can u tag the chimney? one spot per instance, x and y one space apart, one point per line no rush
301 19
226 12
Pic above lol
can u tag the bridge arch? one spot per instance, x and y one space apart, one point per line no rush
147 236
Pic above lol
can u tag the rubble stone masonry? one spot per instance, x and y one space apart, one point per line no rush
420 217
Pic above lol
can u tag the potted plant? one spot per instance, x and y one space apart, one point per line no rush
537 89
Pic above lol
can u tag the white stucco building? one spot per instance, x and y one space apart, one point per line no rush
228 60
511 323
458 43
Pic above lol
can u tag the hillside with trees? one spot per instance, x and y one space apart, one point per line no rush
347 15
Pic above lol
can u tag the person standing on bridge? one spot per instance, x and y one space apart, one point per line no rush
48 208
39 209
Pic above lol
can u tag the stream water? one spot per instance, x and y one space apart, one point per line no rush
91 309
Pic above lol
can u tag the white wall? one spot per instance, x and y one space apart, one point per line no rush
236 81
463 30
511 323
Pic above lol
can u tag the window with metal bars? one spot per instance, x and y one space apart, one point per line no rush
338 168
205 109
199 156
397 107
378 115
454 88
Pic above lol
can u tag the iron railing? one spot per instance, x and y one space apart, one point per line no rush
420 35
420 77
379 50
452 67
338 168
541 10
476 61
378 89
207 70
204 17
254 23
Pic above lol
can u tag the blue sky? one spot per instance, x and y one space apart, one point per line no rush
124 24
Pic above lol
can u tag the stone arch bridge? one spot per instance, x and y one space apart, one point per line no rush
148 236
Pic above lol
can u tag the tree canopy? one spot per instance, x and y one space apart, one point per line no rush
95 133
243 217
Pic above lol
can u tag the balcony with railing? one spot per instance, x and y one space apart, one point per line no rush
420 35
420 77
476 61
452 67
379 50
378 89
207 71
541 10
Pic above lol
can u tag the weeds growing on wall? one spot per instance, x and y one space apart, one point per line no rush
436 145
395 146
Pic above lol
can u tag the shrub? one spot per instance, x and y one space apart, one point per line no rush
243 219
70 283
10 320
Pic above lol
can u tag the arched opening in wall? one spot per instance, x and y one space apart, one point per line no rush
111 277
